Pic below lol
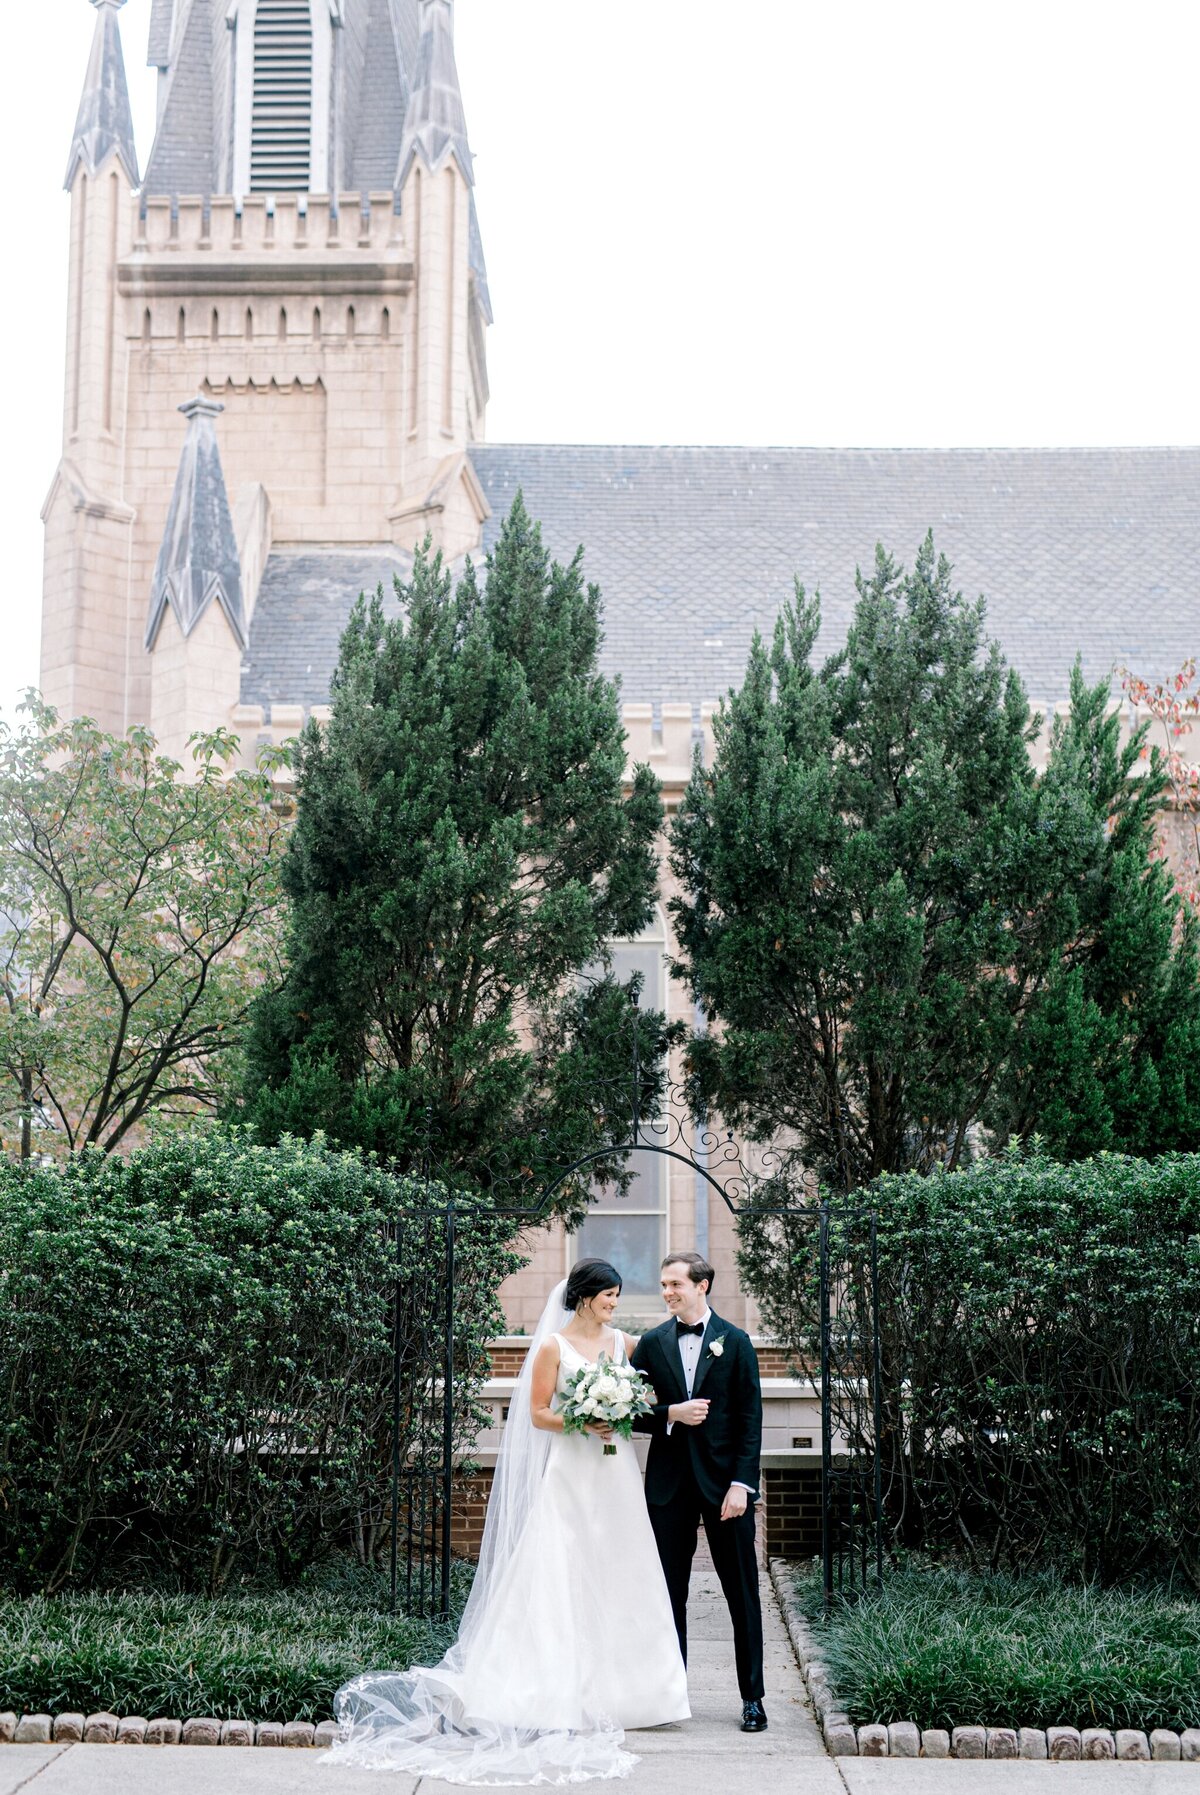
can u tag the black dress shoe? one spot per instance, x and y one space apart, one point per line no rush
754 1719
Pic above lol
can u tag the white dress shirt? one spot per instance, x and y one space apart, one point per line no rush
689 1351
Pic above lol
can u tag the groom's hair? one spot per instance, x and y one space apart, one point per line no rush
698 1267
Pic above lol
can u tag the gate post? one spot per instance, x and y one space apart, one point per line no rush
448 1411
396 1355
876 1400
826 1423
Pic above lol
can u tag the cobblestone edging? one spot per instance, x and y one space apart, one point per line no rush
132 1729
904 1739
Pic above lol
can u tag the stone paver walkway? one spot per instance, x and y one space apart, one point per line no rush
706 1753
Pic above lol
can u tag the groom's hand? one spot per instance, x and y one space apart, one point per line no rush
691 1413
734 1503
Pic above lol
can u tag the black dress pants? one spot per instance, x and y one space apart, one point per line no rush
676 1527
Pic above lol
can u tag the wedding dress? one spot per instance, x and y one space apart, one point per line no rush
567 1637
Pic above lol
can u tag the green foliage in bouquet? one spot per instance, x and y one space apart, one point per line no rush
463 851
606 1393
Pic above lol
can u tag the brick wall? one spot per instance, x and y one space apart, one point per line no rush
508 1360
790 1513
466 1519
792 1501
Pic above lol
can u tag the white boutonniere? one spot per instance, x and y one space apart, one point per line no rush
717 1347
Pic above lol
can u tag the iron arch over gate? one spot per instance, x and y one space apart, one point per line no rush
846 1354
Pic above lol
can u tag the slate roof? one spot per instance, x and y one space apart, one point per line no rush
104 123
1095 551
303 603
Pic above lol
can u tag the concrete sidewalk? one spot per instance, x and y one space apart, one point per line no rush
706 1754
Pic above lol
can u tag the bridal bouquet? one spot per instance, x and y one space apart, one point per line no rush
605 1392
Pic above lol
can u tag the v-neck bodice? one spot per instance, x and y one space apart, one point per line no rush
617 1355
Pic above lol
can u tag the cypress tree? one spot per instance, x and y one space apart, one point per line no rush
463 849
916 948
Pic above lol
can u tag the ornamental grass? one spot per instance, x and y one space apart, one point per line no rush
948 1648
276 1656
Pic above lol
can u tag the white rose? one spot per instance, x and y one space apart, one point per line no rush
716 1349
607 1388
589 1405
620 1410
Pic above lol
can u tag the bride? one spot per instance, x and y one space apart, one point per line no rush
567 1637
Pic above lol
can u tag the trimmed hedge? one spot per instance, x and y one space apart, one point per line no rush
195 1357
947 1649
1040 1333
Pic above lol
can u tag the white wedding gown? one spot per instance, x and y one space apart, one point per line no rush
570 1642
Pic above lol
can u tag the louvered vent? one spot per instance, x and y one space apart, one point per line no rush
281 123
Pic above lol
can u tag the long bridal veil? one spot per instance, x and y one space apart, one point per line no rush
443 1721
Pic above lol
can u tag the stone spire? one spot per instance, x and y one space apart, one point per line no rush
435 126
198 560
104 126
162 22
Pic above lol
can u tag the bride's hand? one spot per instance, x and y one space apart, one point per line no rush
601 1429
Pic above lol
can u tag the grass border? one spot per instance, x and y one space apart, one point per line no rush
904 1739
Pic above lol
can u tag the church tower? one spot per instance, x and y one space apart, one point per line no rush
300 272
89 522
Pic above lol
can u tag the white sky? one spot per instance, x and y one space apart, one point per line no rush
719 221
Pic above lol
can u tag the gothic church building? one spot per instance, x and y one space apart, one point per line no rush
276 384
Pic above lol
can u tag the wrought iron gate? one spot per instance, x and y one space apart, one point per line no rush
852 1518
423 1409
426 1410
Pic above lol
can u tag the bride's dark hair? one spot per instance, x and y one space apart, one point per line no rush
588 1279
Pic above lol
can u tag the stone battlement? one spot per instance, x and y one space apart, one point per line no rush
667 750
288 224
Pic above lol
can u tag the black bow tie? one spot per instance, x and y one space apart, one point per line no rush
684 1327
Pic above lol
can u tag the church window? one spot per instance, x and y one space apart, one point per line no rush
385 324
316 324
249 325
630 1230
215 327
283 324
181 326
351 323
147 325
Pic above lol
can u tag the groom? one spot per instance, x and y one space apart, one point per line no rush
706 1438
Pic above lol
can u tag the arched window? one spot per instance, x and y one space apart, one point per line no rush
351 324
283 324
630 1231
147 325
316 324
385 325
283 61
215 327
181 326
249 324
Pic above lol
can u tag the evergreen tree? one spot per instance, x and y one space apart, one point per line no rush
463 849
912 943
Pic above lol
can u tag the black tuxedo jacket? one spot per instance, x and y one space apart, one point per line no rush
724 1449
